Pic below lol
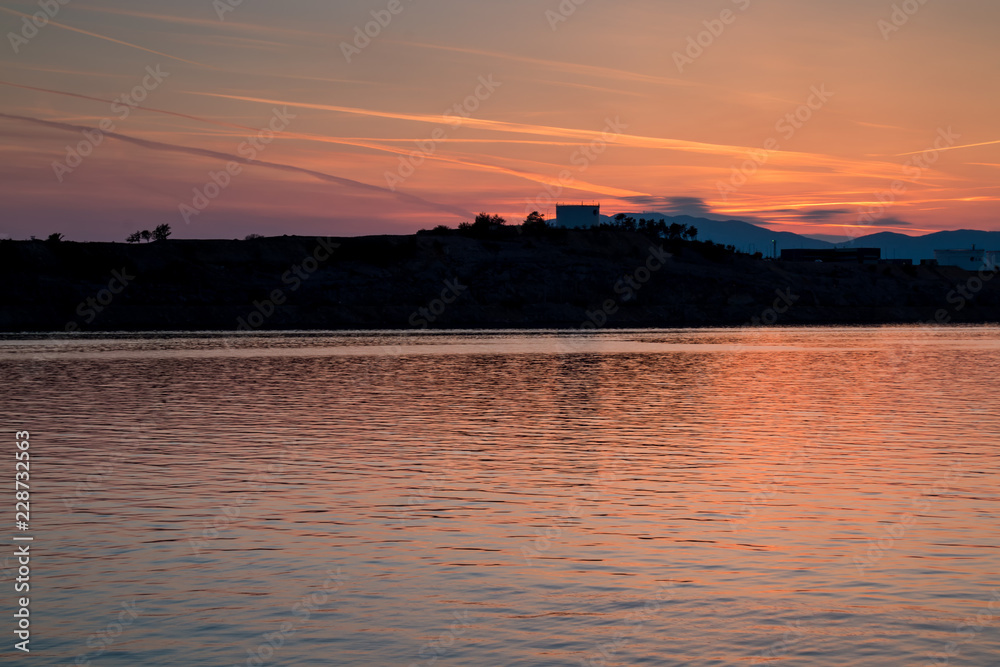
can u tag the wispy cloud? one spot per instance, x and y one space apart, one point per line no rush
630 140
370 144
459 160
200 119
228 157
879 126
110 39
693 206
953 148
67 71
892 223
562 66
212 24
821 215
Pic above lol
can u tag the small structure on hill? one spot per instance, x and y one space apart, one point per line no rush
576 216
973 259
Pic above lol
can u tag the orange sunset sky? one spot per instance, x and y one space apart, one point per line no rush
643 106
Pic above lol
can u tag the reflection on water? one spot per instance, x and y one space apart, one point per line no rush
797 496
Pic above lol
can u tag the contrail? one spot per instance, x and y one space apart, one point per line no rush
595 70
504 126
361 143
137 106
111 39
205 23
627 140
227 157
953 148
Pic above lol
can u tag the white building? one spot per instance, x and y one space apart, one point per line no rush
972 259
578 215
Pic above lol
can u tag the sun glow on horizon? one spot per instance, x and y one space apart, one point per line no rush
514 120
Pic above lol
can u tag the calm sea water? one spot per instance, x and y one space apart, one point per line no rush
717 497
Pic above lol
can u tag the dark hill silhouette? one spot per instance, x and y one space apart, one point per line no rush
748 237
507 279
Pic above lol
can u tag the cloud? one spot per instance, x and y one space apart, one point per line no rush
891 222
111 39
822 215
805 161
693 206
952 148
882 127
137 106
577 184
818 216
227 157
213 24
630 140
562 66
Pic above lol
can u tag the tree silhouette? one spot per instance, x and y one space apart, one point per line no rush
625 222
146 235
55 238
534 222
133 238
161 233
483 225
486 222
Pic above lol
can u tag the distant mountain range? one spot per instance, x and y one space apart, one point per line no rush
753 238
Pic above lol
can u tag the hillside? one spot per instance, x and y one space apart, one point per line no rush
751 238
508 280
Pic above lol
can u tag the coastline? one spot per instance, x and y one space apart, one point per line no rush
562 279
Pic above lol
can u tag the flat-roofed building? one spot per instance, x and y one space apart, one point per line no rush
578 215
973 259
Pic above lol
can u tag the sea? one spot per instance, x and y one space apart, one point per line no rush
786 496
